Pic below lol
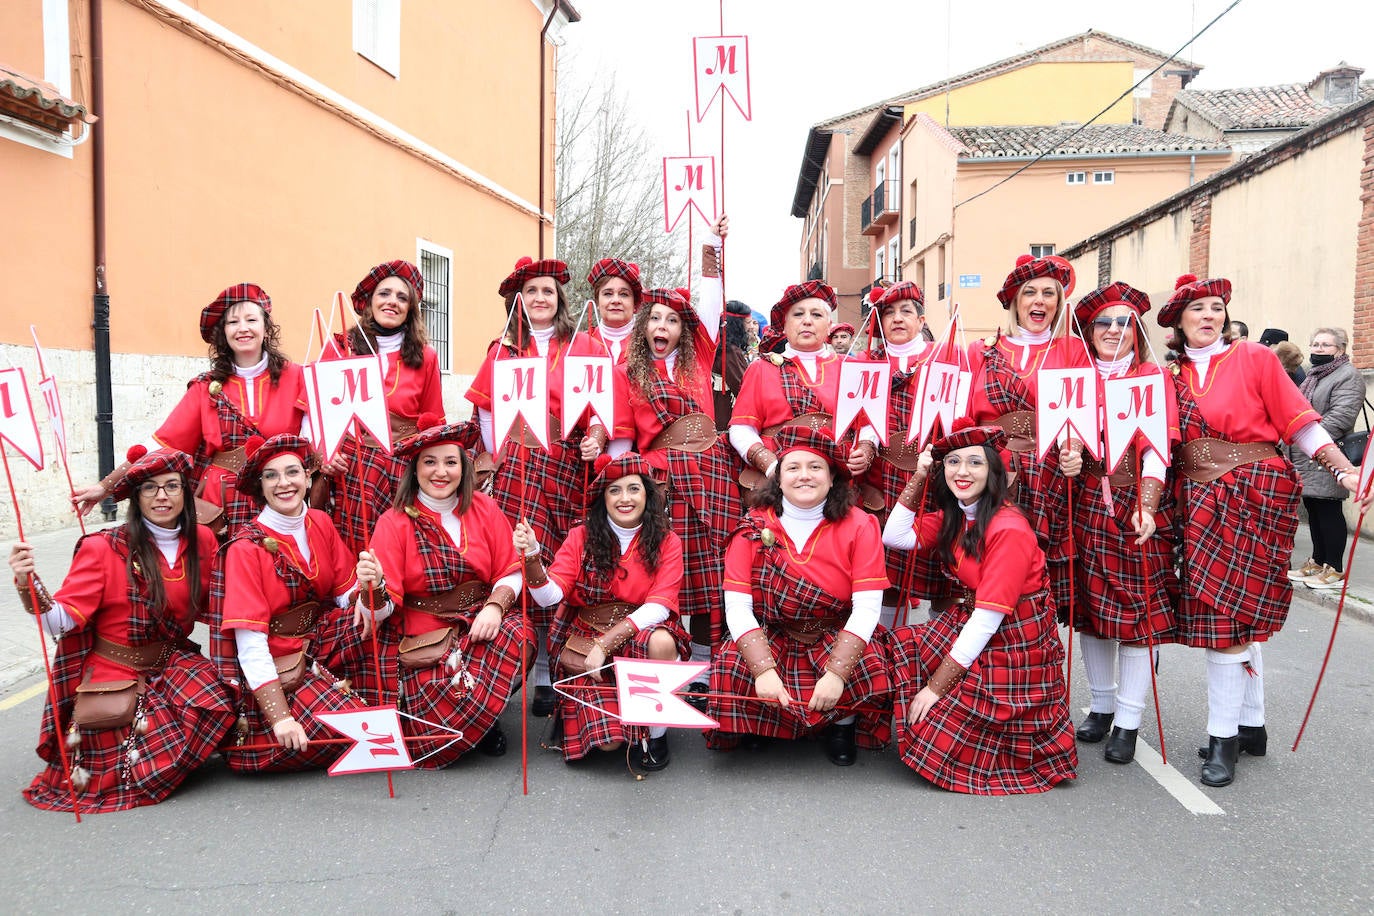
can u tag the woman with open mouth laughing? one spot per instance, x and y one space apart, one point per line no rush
282 630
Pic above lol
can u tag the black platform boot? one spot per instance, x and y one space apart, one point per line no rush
839 745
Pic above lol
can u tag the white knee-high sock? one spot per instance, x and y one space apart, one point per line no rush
1099 662
1252 708
541 661
1135 685
1225 692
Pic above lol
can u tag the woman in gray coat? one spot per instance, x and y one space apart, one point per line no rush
1335 390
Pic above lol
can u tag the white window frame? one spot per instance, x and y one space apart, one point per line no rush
1104 176
377 33
880 263
894 253
1041 250
1076 178
422 248
57 69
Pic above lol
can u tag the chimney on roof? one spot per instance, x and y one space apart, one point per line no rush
1338 86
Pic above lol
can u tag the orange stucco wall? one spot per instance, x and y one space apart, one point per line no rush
21 36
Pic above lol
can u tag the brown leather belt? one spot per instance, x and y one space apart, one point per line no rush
297 621
811 631
816 421
1205 460
694 432
520 432
601 617
401 428
1123 476
231 460
1020 428
460 599
899 453
148 657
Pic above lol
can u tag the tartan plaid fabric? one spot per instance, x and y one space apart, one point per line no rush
526 268
1004 729
801 398
146 464
1187 288
430 694
783 596
234 430
239 292
317 693
363 492
897 292
615 267
1236 534
1106 296
545 489
1124 592
188 712
1029 268
362 294
678 302
584 729
443 562
811 289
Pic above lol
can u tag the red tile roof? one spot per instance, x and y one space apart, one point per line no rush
1072 140
1259 107
33 100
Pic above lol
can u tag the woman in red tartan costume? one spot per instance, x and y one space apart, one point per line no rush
530 483
1003 394
617 292
1126 587
122 618
1238 509
252 389
388 304
981 687
803 589
617 577
283 618
442 559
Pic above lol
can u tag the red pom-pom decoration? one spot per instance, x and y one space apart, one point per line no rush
600 463
251 445
523 262
1024 259
1184 280
136 452
685 293
429 421
961 423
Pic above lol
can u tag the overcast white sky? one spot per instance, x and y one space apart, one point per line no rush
814 59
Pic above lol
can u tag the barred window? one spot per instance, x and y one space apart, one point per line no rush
436 266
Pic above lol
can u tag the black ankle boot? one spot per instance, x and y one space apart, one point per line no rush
653 754
1219 769
1095 727
1121 745
839 745
1254 740
493 743
543 702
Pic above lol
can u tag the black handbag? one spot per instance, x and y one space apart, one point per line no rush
1353 443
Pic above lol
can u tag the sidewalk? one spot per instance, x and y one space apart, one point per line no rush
20 654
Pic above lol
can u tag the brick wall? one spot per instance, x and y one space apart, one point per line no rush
1151 111
1362 342
1200 244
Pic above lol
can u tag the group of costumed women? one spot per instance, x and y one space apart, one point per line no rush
773 550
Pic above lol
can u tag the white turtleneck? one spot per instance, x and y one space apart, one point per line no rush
649 614
390 343
248 374
1026 340
293 526
615 337
1114 368
799 524
1202 356
452 524
57 621
906 353
541 338
807 358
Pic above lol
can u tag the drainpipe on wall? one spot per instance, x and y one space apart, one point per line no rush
543 96
104 396
1192 168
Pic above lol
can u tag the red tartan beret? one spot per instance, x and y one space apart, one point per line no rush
816 441
407 271
896 293
615 267
609 470
674 299
213 313
1107 296
811 289
434 431
146 464
260 451
1029 268
965 434
1188 288
842 328
528 268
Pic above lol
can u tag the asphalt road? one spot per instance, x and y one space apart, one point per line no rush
777 831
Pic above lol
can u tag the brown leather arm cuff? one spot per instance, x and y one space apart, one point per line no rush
760 458
616 637
710 261
26 595
535 573
1151 491
1333 459
910 495
115 476
271 700
946 677
845 655
598 434
753 648
503 596
374 599
319 491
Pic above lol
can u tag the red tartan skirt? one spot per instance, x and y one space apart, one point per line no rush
363 491
1237 535
587 727
316 693
188 712
221 488
430 694
703 502
339 646
1004 729
800 666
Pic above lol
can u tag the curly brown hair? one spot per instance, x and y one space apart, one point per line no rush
639 361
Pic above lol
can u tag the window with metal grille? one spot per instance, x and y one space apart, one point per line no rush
436 266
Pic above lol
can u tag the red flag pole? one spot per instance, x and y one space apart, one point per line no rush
689 212
1068 677
367 526
43 644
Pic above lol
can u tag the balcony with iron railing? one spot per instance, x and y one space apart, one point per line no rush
880 209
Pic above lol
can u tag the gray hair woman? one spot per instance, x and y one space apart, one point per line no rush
1336 390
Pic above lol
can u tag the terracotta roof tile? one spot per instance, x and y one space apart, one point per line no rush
1257 107
1095 139
34 100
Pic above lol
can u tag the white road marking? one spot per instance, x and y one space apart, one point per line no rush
1172 781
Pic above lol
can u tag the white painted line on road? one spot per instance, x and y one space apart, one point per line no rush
1172 781
27 693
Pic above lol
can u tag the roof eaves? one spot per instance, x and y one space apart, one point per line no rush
813 159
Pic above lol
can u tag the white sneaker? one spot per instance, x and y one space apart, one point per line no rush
1328 578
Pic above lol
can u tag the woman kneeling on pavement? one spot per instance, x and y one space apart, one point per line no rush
284 628
141 707
804 582
618 576
442 558
981 687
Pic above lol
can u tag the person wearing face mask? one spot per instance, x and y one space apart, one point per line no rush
138 707
1238 509
617 578
807 651
1003 394
531 483
251 389
282 612
442 575
980 693
617 293
364 476
1126 588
